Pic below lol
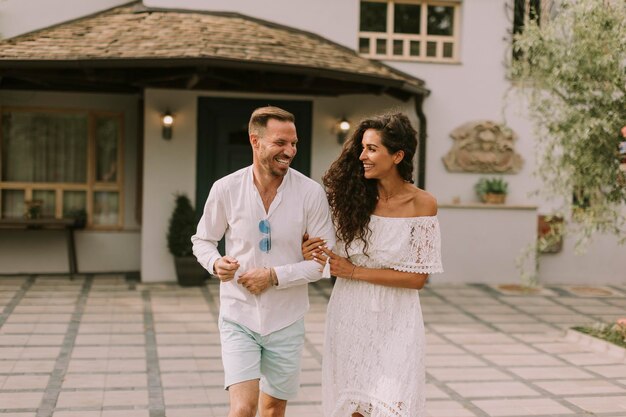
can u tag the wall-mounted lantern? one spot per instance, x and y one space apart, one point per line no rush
343 127
167 120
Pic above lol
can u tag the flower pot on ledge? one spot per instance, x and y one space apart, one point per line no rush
491 190
492 198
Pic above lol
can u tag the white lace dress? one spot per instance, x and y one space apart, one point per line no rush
374 350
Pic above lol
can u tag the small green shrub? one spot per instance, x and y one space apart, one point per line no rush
182 226
491 186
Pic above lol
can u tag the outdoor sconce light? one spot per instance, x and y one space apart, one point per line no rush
166 122
342 130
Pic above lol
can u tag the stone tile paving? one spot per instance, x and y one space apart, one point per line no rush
104 346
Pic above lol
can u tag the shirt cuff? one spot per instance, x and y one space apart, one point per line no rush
210 265
280 275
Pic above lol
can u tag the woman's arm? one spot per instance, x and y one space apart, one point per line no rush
389 277
343 268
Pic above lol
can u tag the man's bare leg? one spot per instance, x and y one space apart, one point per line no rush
272 407
244 398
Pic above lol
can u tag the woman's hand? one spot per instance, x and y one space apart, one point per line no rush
311 247
339 266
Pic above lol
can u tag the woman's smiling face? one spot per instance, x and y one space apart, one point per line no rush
377 161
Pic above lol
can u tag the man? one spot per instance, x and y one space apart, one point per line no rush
264 210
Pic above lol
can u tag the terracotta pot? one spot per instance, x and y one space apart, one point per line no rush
494 198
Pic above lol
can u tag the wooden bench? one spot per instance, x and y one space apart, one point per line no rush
48 224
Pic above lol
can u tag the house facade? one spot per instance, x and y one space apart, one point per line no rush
105 78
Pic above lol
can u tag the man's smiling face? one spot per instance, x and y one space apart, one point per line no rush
275 147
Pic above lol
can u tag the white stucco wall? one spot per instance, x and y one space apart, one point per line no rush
97 251
482 244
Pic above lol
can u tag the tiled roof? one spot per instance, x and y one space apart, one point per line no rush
135 33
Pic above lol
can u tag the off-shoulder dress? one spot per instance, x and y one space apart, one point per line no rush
373 360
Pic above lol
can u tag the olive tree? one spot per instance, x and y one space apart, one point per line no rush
572 65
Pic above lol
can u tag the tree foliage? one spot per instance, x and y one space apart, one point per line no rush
572 66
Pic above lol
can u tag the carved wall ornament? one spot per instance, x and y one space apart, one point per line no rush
483 146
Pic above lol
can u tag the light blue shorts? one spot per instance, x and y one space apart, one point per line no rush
274 359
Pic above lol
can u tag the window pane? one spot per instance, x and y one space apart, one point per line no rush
523 9
534 12
373 17
74 202
519 11
440 20
105 208
44 147
414 48
398 47
13 203
48 202
107 132
364 45
448 49
406 18
381 46
431 48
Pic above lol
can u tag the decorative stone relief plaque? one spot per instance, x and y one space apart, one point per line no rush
483 146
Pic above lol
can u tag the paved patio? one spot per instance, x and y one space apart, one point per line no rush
102 346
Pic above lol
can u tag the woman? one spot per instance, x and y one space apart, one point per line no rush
388 243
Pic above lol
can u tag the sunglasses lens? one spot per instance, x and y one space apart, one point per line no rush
265 244
264 226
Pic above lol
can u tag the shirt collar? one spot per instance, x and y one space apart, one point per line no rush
282 185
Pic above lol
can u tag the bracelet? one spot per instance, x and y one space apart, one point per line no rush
273 278
352 273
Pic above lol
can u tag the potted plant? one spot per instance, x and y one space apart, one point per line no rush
491 190
181 227
79 216
34 209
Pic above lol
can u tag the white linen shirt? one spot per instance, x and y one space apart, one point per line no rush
234 209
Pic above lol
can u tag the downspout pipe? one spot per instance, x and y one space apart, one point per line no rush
421 151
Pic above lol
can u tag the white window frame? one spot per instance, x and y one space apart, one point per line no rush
91 186
423 37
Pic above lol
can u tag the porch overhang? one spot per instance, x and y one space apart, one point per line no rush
134 75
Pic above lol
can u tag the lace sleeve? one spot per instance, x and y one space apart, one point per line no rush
423 253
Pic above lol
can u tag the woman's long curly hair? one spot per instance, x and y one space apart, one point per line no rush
351 196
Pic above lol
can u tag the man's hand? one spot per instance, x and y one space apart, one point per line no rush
256 280
225 268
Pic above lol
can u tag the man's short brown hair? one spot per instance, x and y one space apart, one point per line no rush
260 117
